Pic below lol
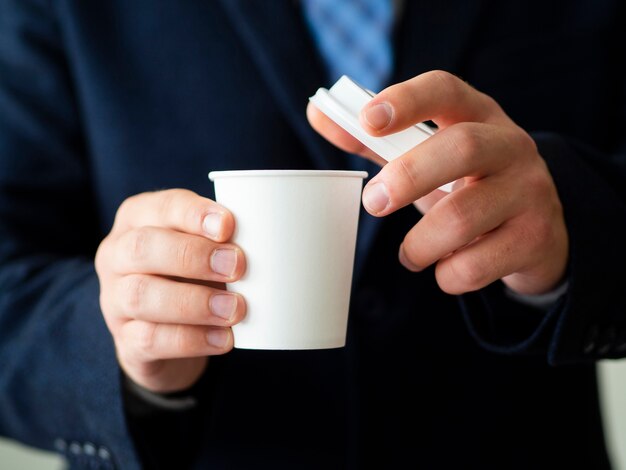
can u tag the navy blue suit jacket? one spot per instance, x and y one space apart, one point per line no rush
103 100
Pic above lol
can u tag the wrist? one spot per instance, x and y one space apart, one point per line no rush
172 401
542 301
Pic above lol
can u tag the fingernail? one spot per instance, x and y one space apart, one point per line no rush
223 305
212 224
376 198
406 262
379 115
218 337
224 262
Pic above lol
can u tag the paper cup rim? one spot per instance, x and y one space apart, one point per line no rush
296 173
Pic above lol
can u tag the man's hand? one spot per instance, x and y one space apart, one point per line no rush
162 271
503 220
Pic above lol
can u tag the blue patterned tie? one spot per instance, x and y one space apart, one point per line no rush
354 38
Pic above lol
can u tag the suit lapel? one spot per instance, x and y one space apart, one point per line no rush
275 34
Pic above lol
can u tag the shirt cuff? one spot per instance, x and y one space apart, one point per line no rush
540 301
179 401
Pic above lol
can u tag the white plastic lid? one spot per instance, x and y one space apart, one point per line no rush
343 103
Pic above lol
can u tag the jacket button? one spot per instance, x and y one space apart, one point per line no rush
104 453
89 449
75 448
60 445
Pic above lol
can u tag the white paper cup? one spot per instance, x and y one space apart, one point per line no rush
298 230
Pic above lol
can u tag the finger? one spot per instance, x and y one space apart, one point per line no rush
159 300
153 250
177 209
438 96
508 249
155 341
463 150
425 203
337 136
456 220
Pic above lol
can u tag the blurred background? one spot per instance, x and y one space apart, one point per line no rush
612 374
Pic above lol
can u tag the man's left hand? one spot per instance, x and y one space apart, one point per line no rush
504 219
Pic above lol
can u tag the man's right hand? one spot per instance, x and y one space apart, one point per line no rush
162 271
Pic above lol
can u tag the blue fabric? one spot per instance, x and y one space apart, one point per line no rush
103 100
354 38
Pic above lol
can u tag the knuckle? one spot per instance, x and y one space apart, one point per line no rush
138 240
465 141
451 85
145 339
109 312
102 255
468 272
171 201
167 203
522 140
542 233
133 295
446 80
194 210
179 340
182 206
539 186
186 255
489 104
458 223
186 341
185 302
406 168
127 208
127 205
